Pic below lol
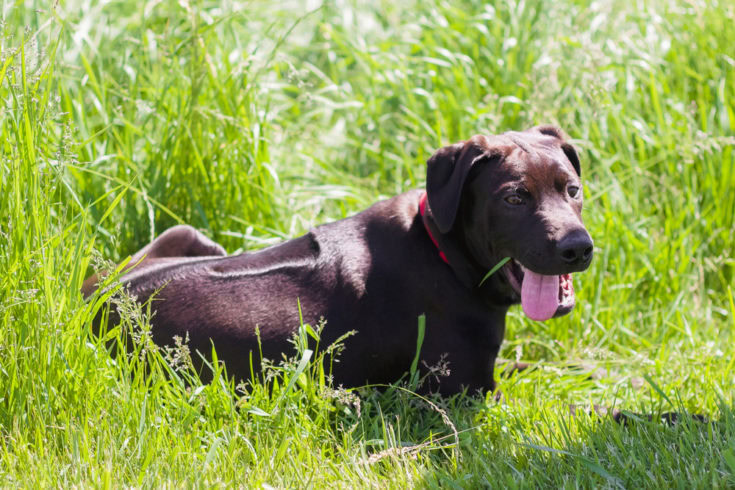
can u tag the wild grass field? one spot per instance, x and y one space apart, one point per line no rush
255 120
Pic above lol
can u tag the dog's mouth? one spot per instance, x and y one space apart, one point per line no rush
542 296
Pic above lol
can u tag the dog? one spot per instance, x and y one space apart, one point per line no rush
515 195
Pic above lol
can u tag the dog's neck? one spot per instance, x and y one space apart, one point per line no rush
429 225
451 250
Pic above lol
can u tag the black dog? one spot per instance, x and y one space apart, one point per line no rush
514 195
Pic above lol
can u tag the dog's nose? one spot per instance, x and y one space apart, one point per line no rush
575 248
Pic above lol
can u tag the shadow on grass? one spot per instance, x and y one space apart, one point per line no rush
553 447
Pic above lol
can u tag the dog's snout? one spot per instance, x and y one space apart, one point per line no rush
576 248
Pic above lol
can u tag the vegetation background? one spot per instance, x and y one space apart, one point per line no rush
255 120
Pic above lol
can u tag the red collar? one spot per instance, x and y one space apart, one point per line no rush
422 210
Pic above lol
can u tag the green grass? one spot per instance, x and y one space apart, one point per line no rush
256 120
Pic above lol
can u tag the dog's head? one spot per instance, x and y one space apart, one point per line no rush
516 195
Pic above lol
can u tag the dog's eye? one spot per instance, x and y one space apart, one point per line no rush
573 190
514 200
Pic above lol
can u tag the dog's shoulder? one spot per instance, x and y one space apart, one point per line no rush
354 246
398 212
383 225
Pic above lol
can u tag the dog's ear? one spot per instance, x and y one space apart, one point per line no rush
446 172
566 147
571 154
550 130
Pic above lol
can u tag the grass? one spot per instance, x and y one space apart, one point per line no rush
255 120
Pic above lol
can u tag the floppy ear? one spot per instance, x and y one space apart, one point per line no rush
567 148
571 154
446 172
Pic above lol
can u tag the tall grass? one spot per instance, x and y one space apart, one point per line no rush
254 121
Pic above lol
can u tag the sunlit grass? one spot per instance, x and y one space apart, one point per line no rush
254 121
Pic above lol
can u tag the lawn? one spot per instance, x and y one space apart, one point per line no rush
256 120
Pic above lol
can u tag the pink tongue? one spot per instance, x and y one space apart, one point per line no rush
539 295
